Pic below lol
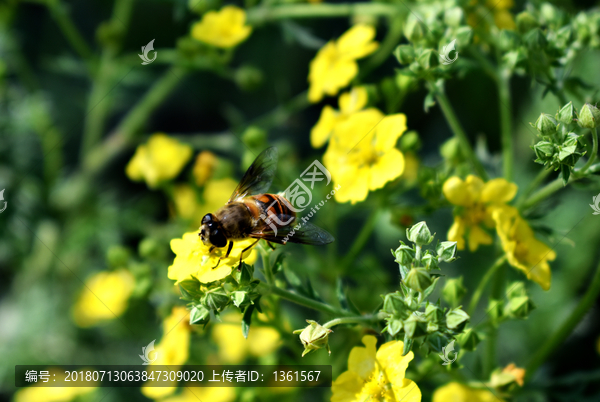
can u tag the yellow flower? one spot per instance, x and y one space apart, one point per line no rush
362 154
225 28
523 250
104 297
376 375
456 392
193 259
502 17
162 158
335 65
195 394
173 349
204 167
215 195
234 348
349 102
477 201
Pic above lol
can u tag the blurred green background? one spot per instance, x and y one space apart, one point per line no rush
70 204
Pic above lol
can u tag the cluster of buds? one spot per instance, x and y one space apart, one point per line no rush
560 147
410 316
238 289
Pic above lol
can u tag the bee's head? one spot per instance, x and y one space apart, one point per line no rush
211 232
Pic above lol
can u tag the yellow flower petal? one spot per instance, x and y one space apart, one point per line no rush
389 130
478 236
456 392
225 28
388 167
321 132
458 192
498 191
357 42
390 357
457 233
362 359
354 100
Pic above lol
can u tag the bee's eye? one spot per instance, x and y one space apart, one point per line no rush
217 238
207 218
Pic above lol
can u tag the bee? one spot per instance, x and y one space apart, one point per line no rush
243 216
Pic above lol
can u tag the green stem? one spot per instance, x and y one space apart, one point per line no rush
262 14
388 45
460 134
592 158
541 176
302 300
482 284
567 327
68 28
492 339
361 239
366 319
544 193
134 120
505 105
266 266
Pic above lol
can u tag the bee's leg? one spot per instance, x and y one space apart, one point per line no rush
229 248
215 267
246 249
271 245
211 249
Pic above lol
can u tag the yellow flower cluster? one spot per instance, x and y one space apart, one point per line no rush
362 154
484 204
503 18
335 65
457 392
104 297
376 375
225 28
162 158
192 258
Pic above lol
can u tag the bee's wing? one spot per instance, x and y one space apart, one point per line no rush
258 177
296 232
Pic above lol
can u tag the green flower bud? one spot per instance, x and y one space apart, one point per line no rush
404 254
199 315
393 303
589 116
429 261
314 337
456 319
414 30
427 59
454 291
564 37
516 289
117 256
464 36
149 247
566 114
519 307
216 299
546 125
418 279
454 16
536 40
526 22
509 40
514 58
451 151
410 142
435 318
190 289
549 13
419 234
494 310
469 339
241 298
544 151
405 54
581 23
248 78
394 326
254 137
446 251
415 326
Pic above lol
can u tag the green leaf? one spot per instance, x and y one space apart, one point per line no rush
246 321
407 345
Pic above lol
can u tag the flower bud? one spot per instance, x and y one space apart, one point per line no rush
464 36
435 318
564 37
427 59
415 326
454 16
117 256
446 251
429 261
404 254
405 54
548 13
394 326
508 40
419 234
494 310
519 307
536 39
190 289
544 151
516 289
393 303
469 339
248 78
418 279
526 22
456 319
546 124
566 114
199 315
589 116
454 291
314 337
410 141
414 30
450 150
216 299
